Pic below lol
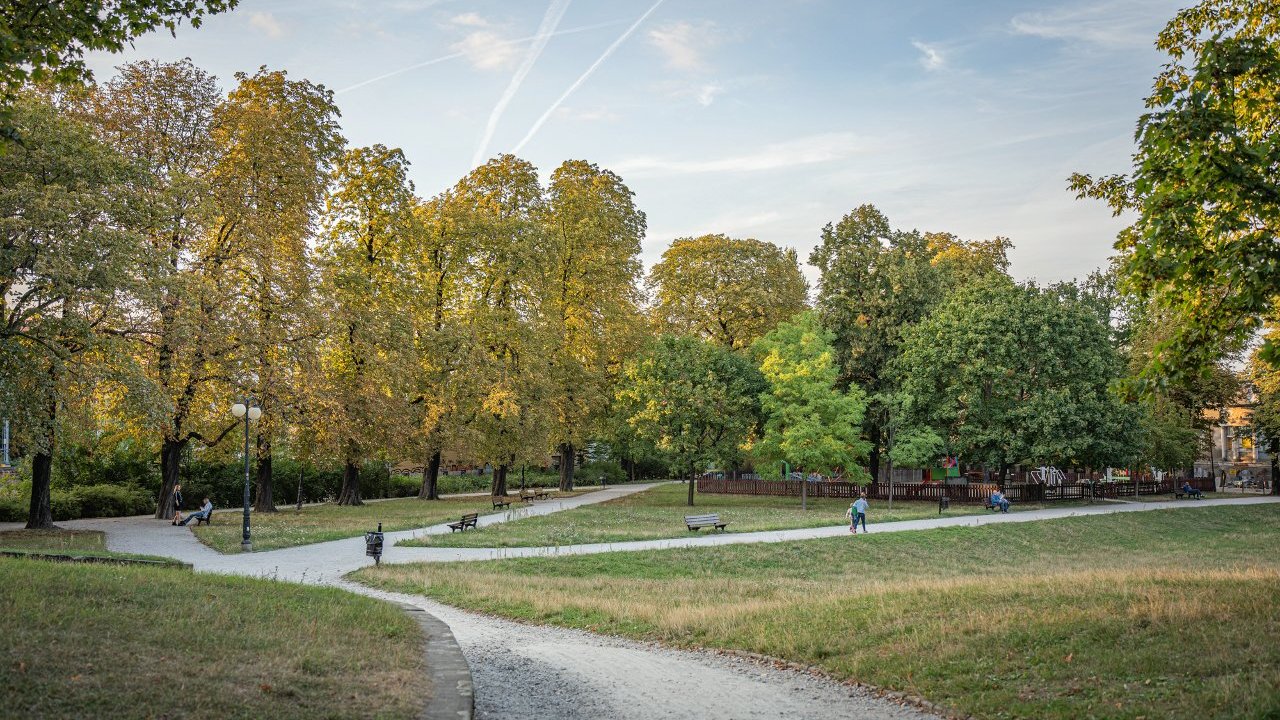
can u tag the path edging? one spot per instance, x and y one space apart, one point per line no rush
100 559
452 690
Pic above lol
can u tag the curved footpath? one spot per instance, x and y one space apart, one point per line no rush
522 670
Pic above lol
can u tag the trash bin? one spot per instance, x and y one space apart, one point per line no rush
373 545
944 503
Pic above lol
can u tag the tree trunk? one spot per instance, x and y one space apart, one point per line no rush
170 464
40 516
301 473
431 479
1274 451
266 502
873 462
350 494
1004 474
567 459
692 481
499 486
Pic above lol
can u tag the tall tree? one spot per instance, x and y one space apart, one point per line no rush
695 401
160 115
727 290
438 262
69 253
367 227
809 421
1015 373
875 284
502 203
590 298
277 140
1204 187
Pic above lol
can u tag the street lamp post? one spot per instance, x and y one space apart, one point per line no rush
249 412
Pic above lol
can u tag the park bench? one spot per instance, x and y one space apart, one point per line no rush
697 522
204 518
468 521
532 494
1179 493
501 502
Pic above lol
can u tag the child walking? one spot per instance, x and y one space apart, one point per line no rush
856 513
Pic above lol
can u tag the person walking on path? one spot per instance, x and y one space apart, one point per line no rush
858 513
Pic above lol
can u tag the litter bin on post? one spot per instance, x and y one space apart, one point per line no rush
944 502
373 545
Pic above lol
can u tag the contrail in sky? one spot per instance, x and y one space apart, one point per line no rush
550 22
583 78
456 55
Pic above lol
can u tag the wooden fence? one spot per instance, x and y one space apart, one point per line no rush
926 491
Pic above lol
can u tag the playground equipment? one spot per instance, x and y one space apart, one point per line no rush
1049 475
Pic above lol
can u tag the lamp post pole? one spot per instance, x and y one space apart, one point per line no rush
245 544
249 412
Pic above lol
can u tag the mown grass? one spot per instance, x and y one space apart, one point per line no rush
1155 614
318 523
659 513
69 543
54 540
131 642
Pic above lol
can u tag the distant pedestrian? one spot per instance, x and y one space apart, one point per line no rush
177 504
858 514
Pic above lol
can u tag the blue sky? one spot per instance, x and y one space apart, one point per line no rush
755 118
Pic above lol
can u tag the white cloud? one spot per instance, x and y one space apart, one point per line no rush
266 24
486 50
801 151
684 44
707 94
1127 24
931 58
469 20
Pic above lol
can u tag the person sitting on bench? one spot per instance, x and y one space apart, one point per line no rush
1190 491
203 514
999 501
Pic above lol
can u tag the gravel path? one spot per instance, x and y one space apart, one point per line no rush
524 671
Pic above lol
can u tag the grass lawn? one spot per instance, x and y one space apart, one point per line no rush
318 523
131 642
1154 614
659 513
76 543
54 540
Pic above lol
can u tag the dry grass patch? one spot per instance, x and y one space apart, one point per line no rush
1155 614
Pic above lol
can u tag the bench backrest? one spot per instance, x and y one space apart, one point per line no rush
696 519
471 516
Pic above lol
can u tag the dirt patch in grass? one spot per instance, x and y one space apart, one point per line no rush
1153 614
129 642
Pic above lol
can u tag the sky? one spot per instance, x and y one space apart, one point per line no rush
753 118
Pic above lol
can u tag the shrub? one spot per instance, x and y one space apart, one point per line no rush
112 501
590 473
13 508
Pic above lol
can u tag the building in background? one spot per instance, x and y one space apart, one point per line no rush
1237 456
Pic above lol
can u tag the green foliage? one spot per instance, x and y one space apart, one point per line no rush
1204 188
1013 373
809 421
46 42
592 472
726 290
696 402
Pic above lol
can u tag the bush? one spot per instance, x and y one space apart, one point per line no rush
112 501
450 484
13 508
590 473
65 504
